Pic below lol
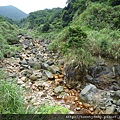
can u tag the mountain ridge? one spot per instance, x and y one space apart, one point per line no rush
12 12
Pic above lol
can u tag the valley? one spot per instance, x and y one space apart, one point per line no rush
62 61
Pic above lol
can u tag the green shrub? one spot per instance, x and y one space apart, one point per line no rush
45 27
98 16
76 37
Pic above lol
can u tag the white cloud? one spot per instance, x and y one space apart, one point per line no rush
33 5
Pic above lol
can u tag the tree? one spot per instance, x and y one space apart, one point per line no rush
45 27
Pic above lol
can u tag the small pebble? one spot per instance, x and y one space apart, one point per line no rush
78 109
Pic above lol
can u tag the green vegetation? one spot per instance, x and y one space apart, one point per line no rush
82 31
12 12
100 21
53 109
98 16
43 20
11 100
8 37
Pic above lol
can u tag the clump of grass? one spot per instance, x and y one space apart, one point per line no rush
53 109
11 100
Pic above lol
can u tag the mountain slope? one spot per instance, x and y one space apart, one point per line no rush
12 12
82 30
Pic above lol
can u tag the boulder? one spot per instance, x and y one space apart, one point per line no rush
74 75
50 62
118 102
26 73
45 66
87 93
33 77
23 62
34 64
104 77
55 69
59 89
110 109
28 37
48 74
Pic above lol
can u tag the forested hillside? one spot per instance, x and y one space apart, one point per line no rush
12 12
8 37
99 20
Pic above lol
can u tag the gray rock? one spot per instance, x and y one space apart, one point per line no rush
104 77
88 92
28 37
109 102
19 36
35 65
58 89
45 66
24 62
110 109
55 69
34 50
118 102
12 75
88 77
25 46
26 73
39 56
118 109
33 77
50 62
112 93
48 74
117 93
38 74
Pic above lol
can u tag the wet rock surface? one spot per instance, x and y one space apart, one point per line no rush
46 80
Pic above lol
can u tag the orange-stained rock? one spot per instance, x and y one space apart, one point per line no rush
61 76
59 80
56 77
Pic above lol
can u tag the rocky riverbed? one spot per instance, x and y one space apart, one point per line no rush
46 80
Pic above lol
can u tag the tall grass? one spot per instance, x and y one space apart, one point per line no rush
104 43
11 100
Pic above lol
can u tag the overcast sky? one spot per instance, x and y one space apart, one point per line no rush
28 6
